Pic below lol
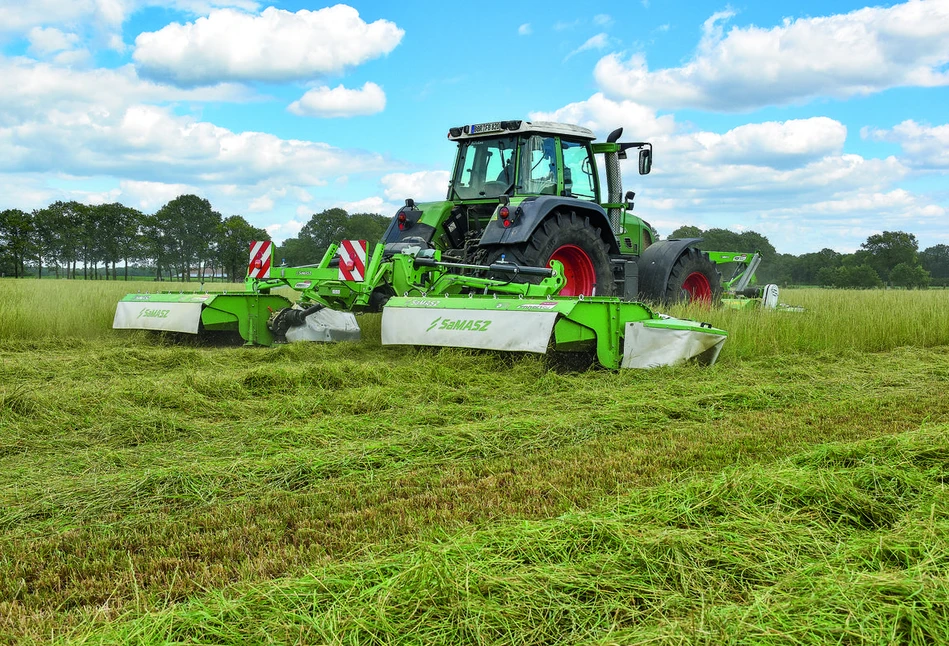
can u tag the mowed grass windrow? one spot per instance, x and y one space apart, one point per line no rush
154 492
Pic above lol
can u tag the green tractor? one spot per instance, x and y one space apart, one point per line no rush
529 193
523 256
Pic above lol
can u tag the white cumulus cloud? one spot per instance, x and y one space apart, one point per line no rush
925 147
103 15
144 142
603 115
374 204
857 53
423 186
600 41
34 89
47 40
276 45
781 144
340 102
280 231
21 16
151 196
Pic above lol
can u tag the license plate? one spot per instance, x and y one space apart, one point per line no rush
480 128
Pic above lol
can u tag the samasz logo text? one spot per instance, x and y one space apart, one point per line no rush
475 325
153 314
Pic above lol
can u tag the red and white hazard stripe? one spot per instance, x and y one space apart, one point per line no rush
352 260
260 256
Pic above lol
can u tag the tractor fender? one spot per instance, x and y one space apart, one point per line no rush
532 211
656 263
417 221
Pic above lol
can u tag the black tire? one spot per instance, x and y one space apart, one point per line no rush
694 278
575 242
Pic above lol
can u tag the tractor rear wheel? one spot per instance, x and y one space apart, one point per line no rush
571 239
694 279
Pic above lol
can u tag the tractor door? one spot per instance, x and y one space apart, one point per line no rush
537 173
579 171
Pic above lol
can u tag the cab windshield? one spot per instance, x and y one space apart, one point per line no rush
485 168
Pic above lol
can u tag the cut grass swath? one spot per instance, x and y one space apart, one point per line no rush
849 542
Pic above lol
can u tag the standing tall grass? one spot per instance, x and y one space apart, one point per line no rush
833 321
64 309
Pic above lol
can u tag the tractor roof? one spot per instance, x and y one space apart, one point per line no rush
493 128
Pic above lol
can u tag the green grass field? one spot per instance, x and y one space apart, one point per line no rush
794 493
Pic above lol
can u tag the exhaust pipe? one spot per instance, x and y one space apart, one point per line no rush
614 181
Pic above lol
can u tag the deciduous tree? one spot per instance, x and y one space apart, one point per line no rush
16 244
233 244
935 260
910 276
888 249
328 227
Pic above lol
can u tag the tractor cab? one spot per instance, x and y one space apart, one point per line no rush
522 158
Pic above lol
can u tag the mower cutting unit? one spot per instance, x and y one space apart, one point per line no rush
740 292
439 307
523 255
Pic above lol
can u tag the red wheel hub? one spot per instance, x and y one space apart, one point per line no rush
698 288
578 270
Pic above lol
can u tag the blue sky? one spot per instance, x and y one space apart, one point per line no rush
815 124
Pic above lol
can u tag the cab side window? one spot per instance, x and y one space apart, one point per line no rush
538 166
578 178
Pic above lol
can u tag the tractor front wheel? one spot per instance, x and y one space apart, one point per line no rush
575 242
694 279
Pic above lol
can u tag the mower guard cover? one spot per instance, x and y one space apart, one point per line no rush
624 334
666 342
326 325
146 314
513 331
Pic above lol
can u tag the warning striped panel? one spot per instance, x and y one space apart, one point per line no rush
352 260
261 254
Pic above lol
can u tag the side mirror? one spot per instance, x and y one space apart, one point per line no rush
645 161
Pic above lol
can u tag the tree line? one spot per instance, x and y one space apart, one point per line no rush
888 258
186 239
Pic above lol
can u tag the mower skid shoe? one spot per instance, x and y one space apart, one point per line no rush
326 326
668 341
